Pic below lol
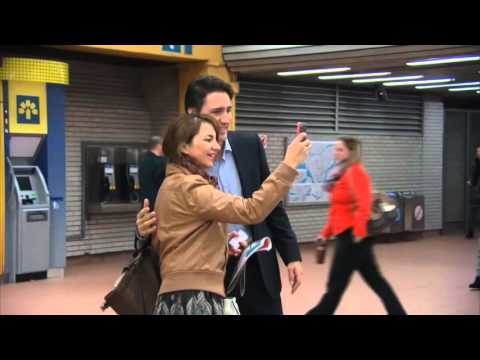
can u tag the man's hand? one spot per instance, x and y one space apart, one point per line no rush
232 251
263 140
295 274
146 221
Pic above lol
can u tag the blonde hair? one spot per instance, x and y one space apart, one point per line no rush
354 147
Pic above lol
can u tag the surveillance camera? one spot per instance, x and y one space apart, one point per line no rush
381 94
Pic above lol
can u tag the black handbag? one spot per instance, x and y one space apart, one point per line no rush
135 291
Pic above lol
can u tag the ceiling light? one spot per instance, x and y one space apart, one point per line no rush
446 60
314 71
404 83
446 85
465 88
410 77
353 76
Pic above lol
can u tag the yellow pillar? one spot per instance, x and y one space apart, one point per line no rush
2 185
214 67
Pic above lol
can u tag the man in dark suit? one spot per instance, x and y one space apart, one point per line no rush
474 183
241 167
152 171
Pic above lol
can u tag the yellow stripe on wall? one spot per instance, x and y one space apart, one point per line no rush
212 54
43 71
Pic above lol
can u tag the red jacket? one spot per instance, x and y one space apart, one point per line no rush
351 203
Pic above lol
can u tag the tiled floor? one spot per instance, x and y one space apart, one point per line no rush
430 275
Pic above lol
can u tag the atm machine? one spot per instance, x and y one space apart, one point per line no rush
28 214
33 220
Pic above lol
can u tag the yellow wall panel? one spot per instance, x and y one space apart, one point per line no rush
44 71
209 53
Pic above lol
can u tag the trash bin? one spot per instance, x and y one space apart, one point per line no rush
414 213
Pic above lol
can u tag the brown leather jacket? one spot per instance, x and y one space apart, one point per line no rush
191 228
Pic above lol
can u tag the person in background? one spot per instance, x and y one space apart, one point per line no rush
191 228
351 201
473 182
151 171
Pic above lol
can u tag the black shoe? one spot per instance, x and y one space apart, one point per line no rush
476 284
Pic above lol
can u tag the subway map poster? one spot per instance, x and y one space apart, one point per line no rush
308 188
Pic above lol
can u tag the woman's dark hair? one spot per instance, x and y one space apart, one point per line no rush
181 132
198 90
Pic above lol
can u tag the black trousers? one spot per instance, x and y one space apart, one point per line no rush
350 256
474 207
257 300
260 305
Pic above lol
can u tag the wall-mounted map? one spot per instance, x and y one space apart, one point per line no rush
308 189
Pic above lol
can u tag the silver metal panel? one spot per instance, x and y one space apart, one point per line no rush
33 242
455 137
432 155
262 106
254 52
265 106
233 49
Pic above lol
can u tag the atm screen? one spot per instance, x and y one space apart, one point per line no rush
24 183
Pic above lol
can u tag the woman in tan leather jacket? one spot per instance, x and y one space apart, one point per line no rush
192 213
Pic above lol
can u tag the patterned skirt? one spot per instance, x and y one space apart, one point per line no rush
189 302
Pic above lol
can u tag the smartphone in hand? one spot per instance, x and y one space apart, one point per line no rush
300 128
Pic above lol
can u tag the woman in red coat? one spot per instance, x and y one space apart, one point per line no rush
351 201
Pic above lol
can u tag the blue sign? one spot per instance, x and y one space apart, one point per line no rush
28 109
172 48
188 49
